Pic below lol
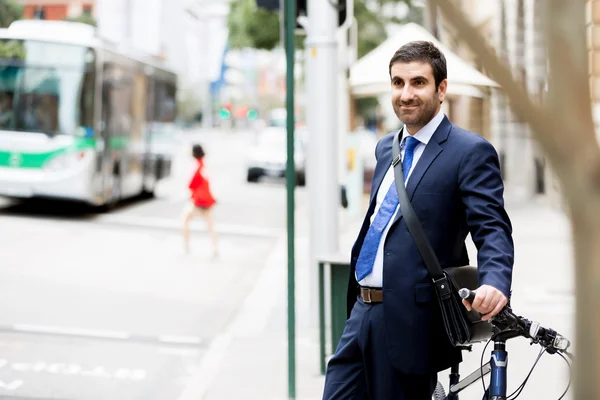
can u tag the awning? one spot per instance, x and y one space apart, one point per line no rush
370 75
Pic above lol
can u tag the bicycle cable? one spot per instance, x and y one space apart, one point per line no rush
481 365
494 336
483 354
570 376
519 389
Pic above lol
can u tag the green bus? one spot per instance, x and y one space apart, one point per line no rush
80 118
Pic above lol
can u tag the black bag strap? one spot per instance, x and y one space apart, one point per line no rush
414 224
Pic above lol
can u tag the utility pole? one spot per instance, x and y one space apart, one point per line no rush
322 118
207 108
346 37
343 102
289 22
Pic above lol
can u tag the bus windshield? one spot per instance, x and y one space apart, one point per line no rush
46 87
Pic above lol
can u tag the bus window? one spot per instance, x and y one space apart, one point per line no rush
44 82
164 102
86 103
118 95
6 109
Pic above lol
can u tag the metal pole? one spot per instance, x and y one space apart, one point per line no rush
207 108
322 117
343 103
290 24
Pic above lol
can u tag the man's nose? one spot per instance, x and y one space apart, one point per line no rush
407 94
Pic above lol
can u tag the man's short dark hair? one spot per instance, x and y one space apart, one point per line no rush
422 51
197 151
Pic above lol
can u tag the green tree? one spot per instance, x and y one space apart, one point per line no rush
10 11
372 18
251 26
84 18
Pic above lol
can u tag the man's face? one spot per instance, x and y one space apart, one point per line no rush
415 98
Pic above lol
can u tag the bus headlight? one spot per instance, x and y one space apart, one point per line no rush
65 161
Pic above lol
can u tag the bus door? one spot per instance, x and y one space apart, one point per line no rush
114 117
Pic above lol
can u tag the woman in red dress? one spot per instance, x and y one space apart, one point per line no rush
201 202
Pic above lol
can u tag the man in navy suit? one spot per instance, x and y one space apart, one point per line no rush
394 342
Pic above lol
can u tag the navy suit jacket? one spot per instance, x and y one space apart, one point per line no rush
455 189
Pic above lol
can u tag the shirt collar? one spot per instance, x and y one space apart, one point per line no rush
425 134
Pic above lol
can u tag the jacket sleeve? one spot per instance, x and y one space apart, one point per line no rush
481 190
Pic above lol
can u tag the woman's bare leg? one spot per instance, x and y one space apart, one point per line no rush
208 216
188 214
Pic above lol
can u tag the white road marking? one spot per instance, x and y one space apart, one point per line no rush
175 224
14 385
71 331
164 340
180 339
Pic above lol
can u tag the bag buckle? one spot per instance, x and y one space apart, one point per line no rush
443 287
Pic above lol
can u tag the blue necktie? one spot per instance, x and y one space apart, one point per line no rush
368 251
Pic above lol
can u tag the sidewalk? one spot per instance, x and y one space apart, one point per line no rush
249 361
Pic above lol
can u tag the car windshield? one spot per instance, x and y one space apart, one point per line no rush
42 86
276 139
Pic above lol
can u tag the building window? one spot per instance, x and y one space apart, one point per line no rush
39 13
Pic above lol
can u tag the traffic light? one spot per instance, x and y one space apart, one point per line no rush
225 111
252 114
301 8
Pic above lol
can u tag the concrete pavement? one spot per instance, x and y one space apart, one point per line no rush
249 360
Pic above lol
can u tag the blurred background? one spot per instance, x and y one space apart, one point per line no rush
100 104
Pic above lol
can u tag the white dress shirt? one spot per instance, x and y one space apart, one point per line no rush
375 278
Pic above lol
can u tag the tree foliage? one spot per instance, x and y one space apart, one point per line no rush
251 26
372 18
10 11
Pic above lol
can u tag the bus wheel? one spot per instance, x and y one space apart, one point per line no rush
115 195
149 187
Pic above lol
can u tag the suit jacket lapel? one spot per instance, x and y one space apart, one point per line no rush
432 150
383 164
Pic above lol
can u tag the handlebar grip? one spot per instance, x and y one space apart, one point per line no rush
467 294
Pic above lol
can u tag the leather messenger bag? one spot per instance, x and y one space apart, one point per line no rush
462 327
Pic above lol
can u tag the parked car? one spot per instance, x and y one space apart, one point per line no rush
268 156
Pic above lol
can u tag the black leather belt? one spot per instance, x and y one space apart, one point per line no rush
371 295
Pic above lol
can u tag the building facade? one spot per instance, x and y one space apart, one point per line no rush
519 39
56 9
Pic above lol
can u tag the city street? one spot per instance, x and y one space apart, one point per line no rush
106 306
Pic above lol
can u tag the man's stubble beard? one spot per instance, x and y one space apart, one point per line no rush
427 114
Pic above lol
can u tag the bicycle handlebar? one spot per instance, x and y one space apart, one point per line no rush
551 340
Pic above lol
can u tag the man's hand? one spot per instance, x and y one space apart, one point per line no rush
489 301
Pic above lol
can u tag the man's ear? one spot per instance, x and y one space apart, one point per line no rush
442 90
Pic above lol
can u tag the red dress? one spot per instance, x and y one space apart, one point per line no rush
201 195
